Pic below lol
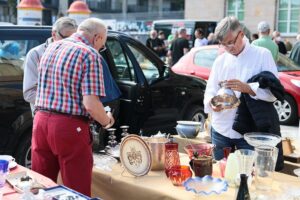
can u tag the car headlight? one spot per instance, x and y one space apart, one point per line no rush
296 82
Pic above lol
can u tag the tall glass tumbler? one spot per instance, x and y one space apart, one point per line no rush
171 156
264 167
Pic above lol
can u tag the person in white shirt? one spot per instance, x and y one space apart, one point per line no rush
236 66
200 39
61 29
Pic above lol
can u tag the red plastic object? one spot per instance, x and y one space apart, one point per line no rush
79 7
179 174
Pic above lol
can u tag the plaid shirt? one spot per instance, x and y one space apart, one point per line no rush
69 69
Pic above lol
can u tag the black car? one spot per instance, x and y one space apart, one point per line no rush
153 96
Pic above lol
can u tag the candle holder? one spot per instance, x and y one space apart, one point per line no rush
112 138
124 130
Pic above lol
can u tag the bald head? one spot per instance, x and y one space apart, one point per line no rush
95 31
153 34
92 26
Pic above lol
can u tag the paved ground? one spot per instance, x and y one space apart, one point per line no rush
290 131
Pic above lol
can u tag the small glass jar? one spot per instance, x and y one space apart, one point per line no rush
179 174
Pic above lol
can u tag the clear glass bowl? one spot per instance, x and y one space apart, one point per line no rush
104 162
206 185
262 139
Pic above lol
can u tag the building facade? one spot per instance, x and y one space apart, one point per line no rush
282 15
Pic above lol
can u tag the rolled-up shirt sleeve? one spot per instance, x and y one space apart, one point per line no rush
93 81
212 88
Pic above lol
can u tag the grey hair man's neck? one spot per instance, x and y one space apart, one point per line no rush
226 25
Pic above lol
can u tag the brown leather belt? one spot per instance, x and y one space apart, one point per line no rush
60 113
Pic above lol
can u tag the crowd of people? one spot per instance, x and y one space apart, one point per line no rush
67 81
170 49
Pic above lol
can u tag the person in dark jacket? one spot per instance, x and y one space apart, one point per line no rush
277 39
261 116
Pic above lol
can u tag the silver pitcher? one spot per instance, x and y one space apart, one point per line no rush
157 148
225 97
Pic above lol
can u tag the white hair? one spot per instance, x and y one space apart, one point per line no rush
64 23
92 26
225 26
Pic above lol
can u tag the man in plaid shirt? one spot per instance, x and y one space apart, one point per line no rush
69 86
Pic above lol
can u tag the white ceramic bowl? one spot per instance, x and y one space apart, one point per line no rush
188 129
297 172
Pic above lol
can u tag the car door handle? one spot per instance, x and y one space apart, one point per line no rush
192 73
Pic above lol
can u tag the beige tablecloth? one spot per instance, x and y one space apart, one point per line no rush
119 184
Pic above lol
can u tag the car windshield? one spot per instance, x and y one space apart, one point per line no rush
285 64
205 57
12 55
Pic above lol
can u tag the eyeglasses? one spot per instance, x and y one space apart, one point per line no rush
102 49
231 44
61 35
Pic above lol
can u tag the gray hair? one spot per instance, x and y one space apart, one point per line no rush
92 26
64 23
226 25
181 30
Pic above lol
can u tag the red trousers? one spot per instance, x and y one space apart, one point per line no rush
62 142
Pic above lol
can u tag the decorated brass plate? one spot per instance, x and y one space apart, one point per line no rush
135 155
225 101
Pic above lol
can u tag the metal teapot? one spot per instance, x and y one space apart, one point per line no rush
225 97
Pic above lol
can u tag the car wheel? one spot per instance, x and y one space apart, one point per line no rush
196 113
23 154
287 111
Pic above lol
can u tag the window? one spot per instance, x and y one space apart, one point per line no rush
123 64
236 8
12 55
149 69
205 58
288 16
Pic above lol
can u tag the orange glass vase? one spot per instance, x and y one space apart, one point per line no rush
179 174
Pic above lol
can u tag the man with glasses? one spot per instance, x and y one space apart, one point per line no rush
70 84
61 29
236 66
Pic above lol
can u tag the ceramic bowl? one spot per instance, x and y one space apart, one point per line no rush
206 185
297 172
188 129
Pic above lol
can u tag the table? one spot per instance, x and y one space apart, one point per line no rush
204 138
10 194
115 185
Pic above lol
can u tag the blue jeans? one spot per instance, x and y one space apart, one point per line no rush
221 141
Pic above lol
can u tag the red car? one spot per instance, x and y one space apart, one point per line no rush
198 62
